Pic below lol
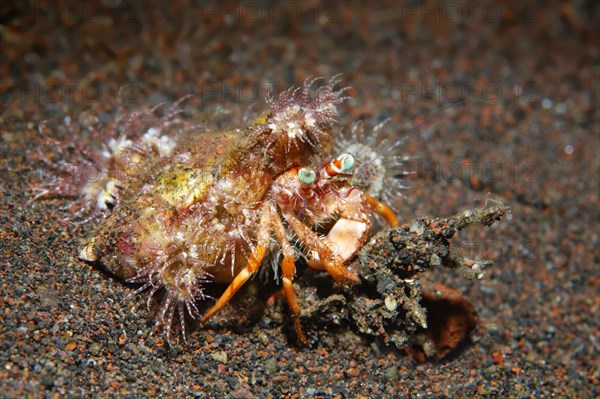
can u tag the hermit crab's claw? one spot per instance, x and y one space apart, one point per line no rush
351 230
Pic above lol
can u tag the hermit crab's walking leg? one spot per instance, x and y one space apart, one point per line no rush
383 210
288 269
254 262
331 261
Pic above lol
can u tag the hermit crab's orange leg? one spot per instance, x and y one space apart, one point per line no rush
288 269
331 261
254 262
383 210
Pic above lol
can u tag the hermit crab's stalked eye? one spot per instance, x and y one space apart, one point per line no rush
347 162
306 176
342 164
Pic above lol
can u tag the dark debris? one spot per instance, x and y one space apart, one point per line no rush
391 303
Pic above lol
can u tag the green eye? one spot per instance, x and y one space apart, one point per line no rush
306 176
347 162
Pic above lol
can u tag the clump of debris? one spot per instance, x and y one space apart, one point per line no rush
427 320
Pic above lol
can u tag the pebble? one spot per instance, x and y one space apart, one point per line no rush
220 356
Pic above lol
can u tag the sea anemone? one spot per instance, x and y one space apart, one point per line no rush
380 166
297 118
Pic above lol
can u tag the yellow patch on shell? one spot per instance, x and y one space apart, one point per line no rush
182 187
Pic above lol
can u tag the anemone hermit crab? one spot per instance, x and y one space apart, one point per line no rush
183 209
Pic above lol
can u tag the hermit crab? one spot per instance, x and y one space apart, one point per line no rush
183 208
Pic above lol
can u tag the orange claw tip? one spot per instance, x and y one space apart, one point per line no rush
301 337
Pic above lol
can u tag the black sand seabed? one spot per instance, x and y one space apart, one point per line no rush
528 133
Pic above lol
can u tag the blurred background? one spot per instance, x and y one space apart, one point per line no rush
524 76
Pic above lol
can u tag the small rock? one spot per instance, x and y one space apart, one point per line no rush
220 357
48 380
71 345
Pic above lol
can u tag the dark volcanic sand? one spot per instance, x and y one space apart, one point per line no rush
528 133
